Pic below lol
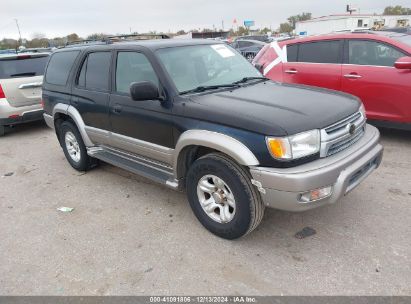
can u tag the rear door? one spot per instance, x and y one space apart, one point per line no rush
369 73
317 64
21 78
90 95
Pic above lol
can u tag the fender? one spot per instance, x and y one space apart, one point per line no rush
75 115
218 141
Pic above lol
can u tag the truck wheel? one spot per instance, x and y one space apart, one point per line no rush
74 147
222 196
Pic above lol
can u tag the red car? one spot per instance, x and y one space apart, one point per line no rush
375 66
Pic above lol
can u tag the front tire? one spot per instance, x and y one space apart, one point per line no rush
222 197
74 148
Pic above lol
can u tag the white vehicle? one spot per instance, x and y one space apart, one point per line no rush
21 78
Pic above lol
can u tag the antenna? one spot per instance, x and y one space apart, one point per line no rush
18 28
351 9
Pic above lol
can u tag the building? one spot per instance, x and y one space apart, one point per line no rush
346 22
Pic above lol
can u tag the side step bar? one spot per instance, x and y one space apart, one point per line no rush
153 170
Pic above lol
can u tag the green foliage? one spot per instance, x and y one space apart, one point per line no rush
286 28
397 10
242 31
265 30
96 36
301 17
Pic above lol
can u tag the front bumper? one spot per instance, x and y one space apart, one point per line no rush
282 188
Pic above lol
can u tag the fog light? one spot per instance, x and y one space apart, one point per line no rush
315 195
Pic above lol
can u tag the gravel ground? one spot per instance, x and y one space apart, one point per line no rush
128 236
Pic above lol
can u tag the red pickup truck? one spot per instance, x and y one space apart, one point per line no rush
374 66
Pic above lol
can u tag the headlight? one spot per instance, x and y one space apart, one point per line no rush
362 110
295 146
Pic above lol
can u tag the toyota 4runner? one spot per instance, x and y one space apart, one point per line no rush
196 116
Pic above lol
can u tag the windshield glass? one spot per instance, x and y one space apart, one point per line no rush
404 39
205 65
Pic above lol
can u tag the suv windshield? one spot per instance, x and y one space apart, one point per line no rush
23 66
191 67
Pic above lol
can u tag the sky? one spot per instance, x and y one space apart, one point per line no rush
61 17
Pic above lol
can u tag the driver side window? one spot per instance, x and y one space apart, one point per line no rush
133 67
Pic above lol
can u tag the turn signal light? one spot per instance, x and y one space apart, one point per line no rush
315 195
279 148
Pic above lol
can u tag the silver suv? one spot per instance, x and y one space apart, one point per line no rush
21 78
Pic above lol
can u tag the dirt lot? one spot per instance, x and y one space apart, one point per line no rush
128 236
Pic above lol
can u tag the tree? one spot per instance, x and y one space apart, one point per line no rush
181 32
72 37
286 28
242 31
301 17
96 36
265 30
38 35
397 10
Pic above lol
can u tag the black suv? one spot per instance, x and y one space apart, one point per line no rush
197 116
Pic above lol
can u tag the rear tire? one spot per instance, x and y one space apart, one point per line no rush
222 197
2 130
74 148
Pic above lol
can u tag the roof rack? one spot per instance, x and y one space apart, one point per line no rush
133 37
117 38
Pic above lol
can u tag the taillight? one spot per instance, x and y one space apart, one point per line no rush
2 95
42 103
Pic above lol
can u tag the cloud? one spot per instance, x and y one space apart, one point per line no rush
60 18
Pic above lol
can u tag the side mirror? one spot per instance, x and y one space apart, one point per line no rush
404 63
145 90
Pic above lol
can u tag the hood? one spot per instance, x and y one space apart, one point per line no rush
275 109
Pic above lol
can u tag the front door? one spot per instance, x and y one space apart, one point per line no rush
141 127
370 75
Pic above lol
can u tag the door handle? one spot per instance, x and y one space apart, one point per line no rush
292 71
31 85
117 109
352 76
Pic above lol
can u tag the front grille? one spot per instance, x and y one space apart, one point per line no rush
344 144
343 123
341 135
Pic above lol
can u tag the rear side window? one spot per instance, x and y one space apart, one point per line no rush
95 71
58 69
22 67
320 52
364 52
292 52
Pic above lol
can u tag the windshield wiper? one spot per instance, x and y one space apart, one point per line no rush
247 79
23 74
200 89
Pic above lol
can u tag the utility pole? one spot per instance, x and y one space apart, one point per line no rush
18 28
222 25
